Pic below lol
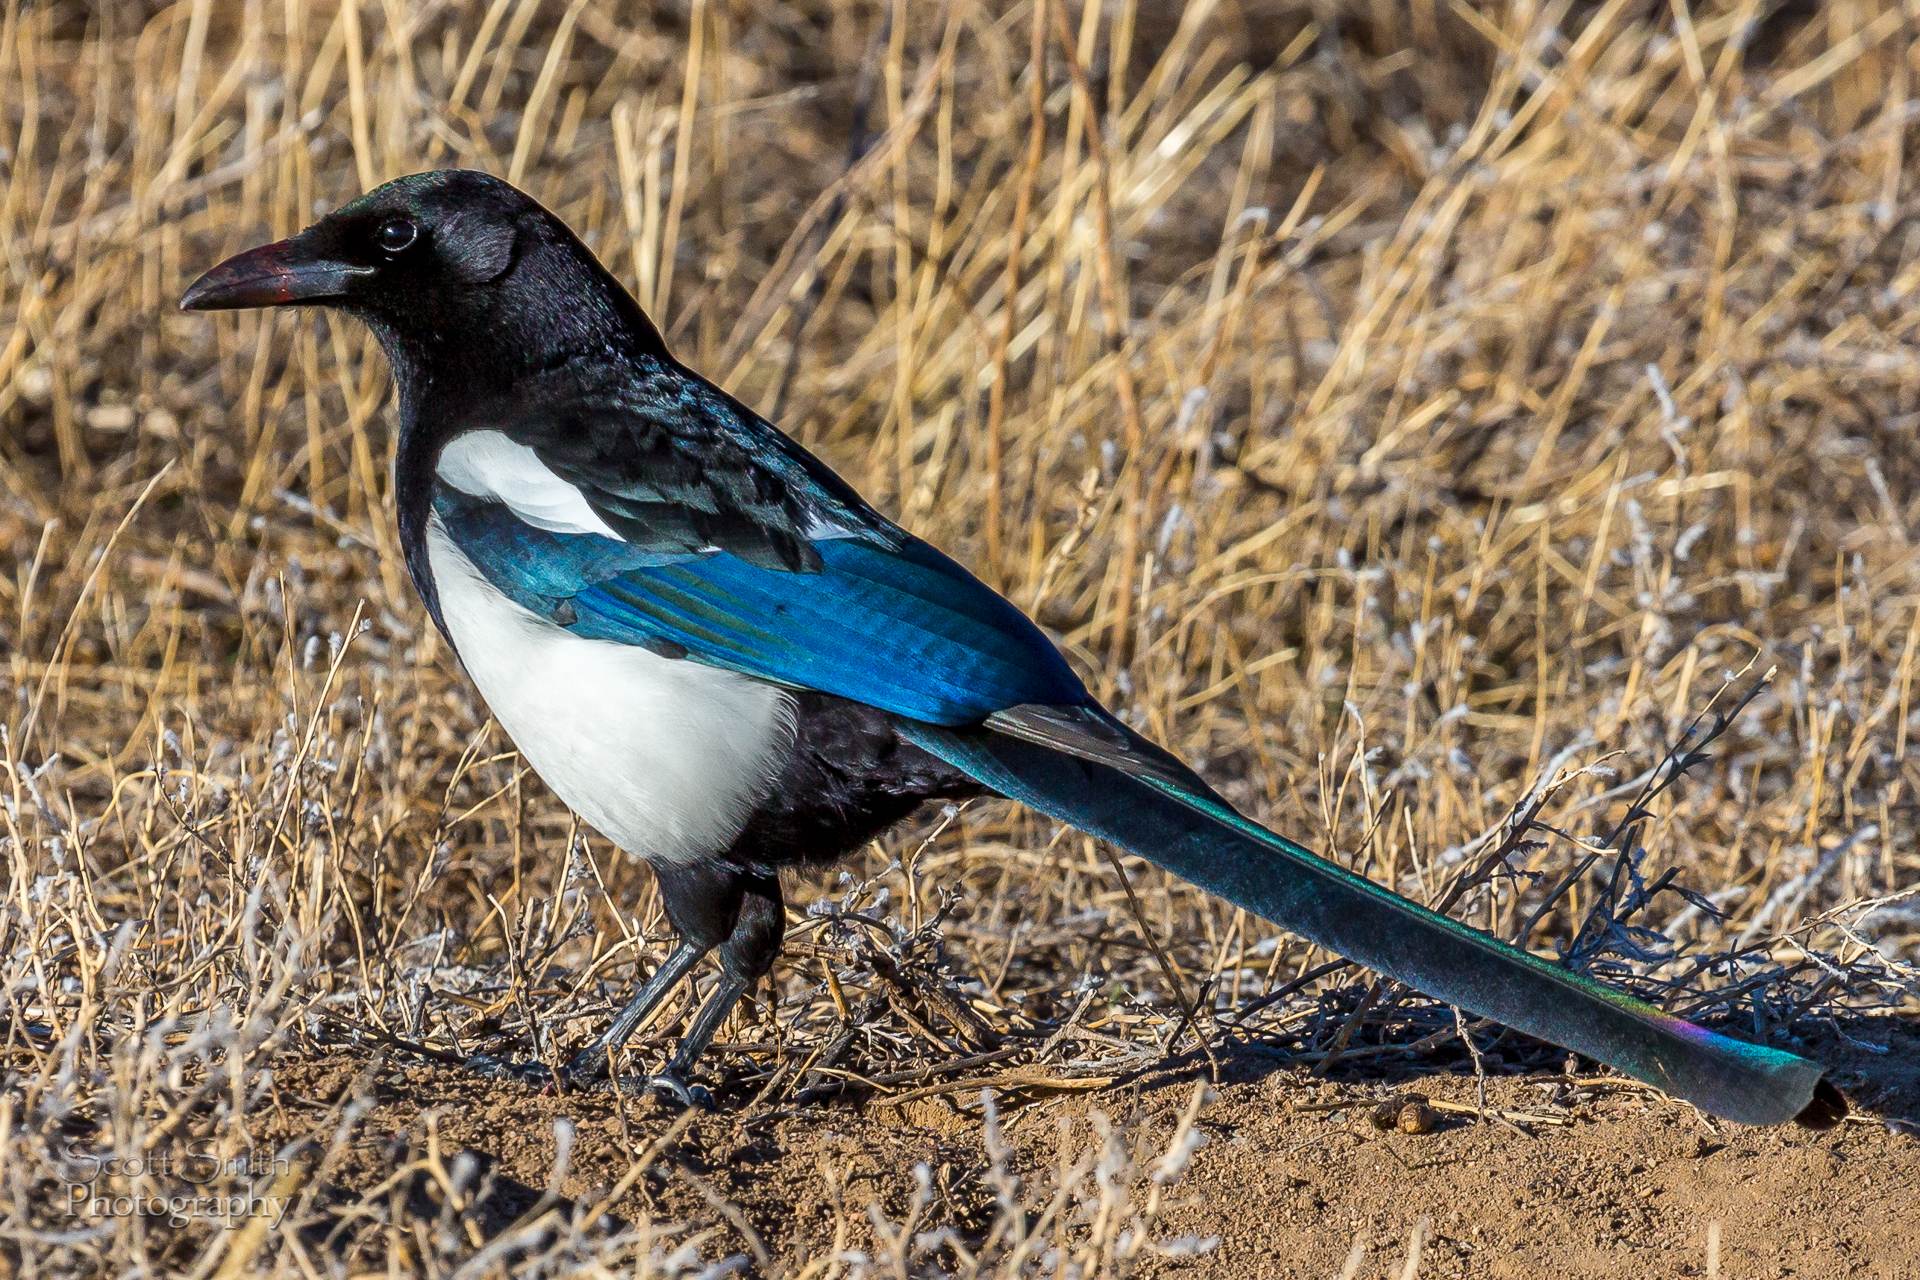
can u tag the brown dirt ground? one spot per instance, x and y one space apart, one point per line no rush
1293 1177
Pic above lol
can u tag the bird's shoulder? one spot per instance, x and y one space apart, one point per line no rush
660 459
669 516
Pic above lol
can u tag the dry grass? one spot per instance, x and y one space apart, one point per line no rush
1407 410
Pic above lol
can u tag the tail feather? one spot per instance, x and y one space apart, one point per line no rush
1169 817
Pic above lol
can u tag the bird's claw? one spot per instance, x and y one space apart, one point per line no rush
670 1087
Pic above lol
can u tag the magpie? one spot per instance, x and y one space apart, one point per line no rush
727 662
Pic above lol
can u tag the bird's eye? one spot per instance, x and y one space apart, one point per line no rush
396 235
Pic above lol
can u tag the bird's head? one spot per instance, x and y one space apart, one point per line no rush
445 266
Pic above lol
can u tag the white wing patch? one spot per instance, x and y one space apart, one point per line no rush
487 464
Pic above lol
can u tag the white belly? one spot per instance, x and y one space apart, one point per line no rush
665 757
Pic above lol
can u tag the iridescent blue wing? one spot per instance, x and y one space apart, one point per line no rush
728 551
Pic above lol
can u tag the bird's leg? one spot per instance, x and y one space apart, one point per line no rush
672 1079
738 907
590 1063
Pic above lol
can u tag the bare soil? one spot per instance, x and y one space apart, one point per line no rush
1566 1177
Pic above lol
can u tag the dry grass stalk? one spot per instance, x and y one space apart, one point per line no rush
1411 411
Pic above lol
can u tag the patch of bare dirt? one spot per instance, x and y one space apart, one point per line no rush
1294 1176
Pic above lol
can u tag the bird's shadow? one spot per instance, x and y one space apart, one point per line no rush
1874 1059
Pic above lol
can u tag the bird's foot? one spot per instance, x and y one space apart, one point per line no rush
585 1068
591 1069
535 1074
670 1087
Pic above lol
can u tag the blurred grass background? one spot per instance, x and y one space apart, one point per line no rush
1413 411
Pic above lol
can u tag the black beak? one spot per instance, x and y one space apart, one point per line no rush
272 275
